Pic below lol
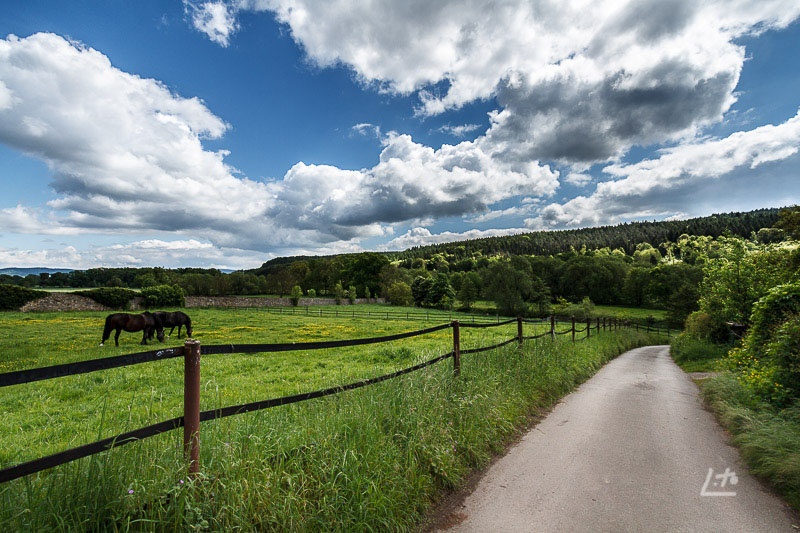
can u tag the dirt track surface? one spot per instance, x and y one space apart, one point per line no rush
632 449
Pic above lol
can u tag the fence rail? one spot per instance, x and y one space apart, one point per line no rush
192 350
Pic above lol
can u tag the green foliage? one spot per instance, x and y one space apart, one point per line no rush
703 327
789 221
113 297
434 292
771 311
13 297
769 360
737 273
297 293
352 294
339 293
399 293
470 290
163 296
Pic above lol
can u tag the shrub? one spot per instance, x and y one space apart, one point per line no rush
769 360
163 296
702 326
296 294
772 310
113 297
12 297
399 293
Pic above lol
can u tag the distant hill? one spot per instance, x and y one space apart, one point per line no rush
35 270
625 236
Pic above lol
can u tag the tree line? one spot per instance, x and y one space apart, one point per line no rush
627 264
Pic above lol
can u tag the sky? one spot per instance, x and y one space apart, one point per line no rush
222 134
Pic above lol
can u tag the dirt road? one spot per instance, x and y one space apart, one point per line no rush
632 449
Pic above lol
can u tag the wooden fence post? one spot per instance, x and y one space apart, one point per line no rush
191 404
519 330
573 329
456 348
553 327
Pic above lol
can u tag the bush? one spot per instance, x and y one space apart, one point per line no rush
772 310
702 326
296 294
12 297
163 296
769 360
399 293
113 297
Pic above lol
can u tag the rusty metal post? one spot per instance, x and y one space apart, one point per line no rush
573 328
456 348
519 330
191 404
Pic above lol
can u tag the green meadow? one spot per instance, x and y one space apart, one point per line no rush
374 458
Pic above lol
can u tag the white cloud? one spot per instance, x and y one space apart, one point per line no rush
644 188
576 81
216 19
459 131
422 237
127 157
147 252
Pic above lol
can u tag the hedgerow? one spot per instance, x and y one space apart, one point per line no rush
12 297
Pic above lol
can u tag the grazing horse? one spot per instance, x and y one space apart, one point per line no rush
145 322
173 320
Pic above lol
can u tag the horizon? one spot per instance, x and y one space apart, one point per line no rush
222 134
228 270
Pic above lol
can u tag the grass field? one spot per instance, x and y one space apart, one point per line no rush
369 459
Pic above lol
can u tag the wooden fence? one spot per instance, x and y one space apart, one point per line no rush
192 350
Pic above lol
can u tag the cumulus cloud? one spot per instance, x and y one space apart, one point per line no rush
644 189
576 82
127 155
411 181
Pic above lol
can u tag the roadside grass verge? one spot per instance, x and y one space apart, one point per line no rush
768 438
696 355
371 459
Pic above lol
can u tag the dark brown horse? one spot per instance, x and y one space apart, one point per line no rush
173 320
145 322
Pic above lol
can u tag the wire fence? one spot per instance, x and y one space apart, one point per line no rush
192 351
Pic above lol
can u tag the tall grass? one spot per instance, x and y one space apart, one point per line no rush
767 437
371 459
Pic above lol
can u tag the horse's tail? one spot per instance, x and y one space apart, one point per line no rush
188 325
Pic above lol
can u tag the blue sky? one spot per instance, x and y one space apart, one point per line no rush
225 133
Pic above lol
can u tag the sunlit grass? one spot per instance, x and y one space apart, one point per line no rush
371 459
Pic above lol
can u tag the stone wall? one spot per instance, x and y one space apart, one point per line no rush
244 301
64 301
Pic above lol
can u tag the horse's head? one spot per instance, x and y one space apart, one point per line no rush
153 322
